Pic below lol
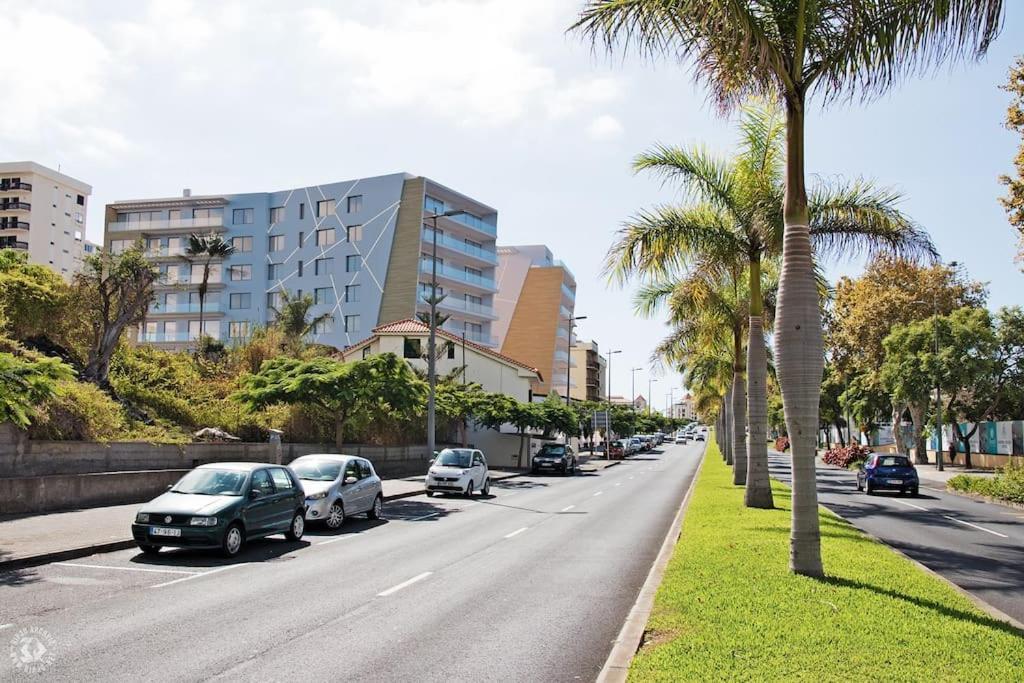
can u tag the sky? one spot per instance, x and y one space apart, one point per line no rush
490 97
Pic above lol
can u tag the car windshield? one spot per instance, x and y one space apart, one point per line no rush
617 444
317 470
450 458
211 482
552 450
893 461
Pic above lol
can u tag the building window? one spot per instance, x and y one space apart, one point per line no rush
351 323
354 233
323 295
174 215
366 352
322 266
351 294
277 214
302 239
473 272
433 205
411 348
324 208
451 350
80 200
353 264
79 218
302 210
355 203
326 325
273 271
242 216
242 244
240 301
425 290
275 243
238 329
239 273
273 300
325 237
299 271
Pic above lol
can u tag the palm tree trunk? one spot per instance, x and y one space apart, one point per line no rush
759 489
799 348
727 432
739 411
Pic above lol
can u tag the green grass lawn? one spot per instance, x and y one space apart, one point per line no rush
729 609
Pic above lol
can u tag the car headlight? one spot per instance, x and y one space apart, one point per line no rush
317 496
465 472
142 518
203 521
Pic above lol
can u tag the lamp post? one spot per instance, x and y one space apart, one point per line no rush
432 338
632 386
650 381
608 414
938 389
568 360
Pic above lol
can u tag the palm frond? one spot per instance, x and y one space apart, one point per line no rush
700 174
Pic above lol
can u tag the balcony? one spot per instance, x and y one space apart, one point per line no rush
460 247
12 224
437 207
164 337
15 206
477 338
568 293
14 186
162 252
11 243
169 224
453 303
208 307
460 276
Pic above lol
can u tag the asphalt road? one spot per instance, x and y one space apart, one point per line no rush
976 545
530 584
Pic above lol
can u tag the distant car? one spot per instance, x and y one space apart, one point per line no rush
338 486
616 449
598 448
682 439
884 472
223 506
459 470
637 444
699 437
555 457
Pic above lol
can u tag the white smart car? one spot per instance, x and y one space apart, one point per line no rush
459 470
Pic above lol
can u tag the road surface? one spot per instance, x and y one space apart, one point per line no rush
530 584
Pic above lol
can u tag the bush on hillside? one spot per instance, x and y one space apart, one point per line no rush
79 411
846 456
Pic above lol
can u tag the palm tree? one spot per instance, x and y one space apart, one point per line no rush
736 220
292 317
205 249
786 50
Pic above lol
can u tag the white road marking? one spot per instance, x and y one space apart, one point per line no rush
909 505
516 532
599 493
975 526
404 584
336 539
631 477
196 576
3 626
416 519
567 508
618 483
124 569
509 495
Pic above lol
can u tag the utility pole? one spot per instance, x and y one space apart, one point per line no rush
568 361
632 386
608 415
650 381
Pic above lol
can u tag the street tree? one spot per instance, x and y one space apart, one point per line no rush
32 297
292 317
204 250
1013 202
460 403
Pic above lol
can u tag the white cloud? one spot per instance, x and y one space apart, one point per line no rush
604 127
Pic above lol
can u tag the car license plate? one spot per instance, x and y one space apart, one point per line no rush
163 531
893 481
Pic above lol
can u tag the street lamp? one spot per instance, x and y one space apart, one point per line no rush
632 386
650 381
568 361
432 338
608 414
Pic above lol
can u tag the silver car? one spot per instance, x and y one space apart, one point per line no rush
338 486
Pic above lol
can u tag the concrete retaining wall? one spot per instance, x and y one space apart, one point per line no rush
19 495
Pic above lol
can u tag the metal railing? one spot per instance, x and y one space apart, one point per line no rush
208 307
15 186
15 206
167 224
460 246
459 275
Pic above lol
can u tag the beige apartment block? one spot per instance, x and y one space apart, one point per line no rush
588 373
43 213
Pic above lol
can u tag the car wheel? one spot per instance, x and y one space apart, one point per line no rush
297 527
335 516
234 540
486 490
377 511
914 492
469 489
867 487
430 494
149 549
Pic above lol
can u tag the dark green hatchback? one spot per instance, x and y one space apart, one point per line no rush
221 506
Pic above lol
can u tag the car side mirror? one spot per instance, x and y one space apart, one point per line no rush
170 486
255 493
350 480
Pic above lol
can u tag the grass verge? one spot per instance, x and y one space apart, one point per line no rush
728 608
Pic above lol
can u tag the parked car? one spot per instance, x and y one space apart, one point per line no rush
882 471
555 457
699 436
223 505
638 445
617 449
682 439
459 470
599 448
338 486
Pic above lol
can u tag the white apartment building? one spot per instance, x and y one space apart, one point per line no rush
43 212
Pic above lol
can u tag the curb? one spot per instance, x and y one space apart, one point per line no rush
626 644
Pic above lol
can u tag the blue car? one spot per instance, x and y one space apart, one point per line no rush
883 472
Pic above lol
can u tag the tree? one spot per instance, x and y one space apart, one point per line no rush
204 249
113 292
32 297
502 409
26 383
459 403
555 416
293 319
1013 202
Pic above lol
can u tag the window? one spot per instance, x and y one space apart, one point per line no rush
302 239
273 271
79 218
282 482
355 203
274 300
322 266
302 210
242 244
242 216
119 246
351 470
277 214
473 272
352 264
174 215
325 237
299 272
351 294
324 208
261 482
239 273
354 233
364 469
433 205
238 301
451 350
411 348
323 295
351 323
366 352
275 243
80 200
425 290
324 325
238 329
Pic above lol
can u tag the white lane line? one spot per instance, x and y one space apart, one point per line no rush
618 483
3 626
975 526
196 576
599 493
336 539
516 532
567 508
909 505
404 584
124 569
416 519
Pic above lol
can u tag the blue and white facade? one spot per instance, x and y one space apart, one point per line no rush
361 248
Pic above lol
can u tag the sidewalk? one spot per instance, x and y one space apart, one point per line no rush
27 540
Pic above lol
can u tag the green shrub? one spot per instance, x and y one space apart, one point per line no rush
1007 484
79 411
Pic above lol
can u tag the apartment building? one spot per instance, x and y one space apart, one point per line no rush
43 213
361 248
588 373
535 304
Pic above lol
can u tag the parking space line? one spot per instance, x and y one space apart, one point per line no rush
599 493
336 539
516 532
975 526
909 505
404 584
567 508
124 569
200 574
618 483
